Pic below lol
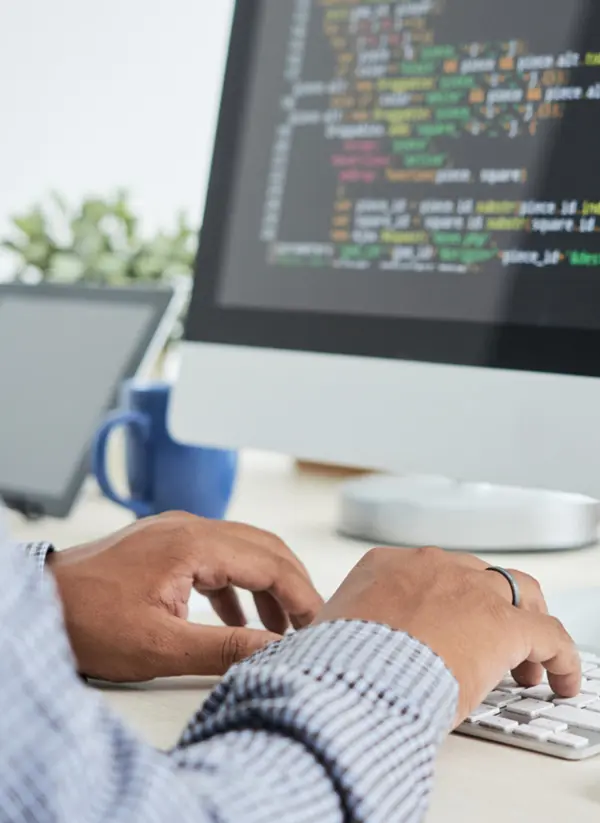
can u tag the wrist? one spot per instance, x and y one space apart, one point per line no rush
56 560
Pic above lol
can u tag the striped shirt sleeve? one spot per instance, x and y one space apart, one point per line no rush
38 553
338 723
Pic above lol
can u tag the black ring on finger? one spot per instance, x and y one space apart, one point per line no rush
514 586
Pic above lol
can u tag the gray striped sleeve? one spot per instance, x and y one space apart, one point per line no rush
371 706
38 552
336 724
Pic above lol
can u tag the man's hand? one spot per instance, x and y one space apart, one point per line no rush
125 597
464 614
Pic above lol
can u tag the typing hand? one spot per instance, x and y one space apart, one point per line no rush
465 615
125 597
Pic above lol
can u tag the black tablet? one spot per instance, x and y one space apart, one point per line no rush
64 352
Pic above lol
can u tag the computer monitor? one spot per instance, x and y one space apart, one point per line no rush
400 257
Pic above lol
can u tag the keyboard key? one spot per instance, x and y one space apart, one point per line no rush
580 701
593 707
573 741
593 675
510 686
500 724
480 712
590 687
533 732
582 718
541 692
532 708
588 667
551 725
501 699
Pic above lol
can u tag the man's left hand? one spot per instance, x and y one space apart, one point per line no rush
125 597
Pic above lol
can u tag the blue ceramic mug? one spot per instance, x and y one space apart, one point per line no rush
163 475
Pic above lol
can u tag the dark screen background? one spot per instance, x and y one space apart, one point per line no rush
562 161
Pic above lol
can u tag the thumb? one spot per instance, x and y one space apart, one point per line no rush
211 650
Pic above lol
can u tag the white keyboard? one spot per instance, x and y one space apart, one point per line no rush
538 720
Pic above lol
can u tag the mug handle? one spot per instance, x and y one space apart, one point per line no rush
140 425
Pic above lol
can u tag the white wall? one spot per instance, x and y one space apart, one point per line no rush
96 94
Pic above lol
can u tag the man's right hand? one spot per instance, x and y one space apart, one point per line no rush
125 597
465 615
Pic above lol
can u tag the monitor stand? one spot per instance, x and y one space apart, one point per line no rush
472 517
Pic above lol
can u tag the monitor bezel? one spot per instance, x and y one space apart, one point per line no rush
33 504
491 345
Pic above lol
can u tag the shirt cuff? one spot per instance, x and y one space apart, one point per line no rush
371 704
38 552
390 666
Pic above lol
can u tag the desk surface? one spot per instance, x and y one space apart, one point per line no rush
475 780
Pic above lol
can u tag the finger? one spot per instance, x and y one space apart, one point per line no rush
532 599
250 567
551 646
271 614
531 592
529 674
199 530
207 650
266 539
227 606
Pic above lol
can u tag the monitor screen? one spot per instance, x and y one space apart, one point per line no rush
419 160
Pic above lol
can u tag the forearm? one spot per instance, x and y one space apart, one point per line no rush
337 723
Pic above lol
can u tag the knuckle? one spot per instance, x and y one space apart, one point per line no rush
376 556
184 517
531 590
536 584
154 640
559 627
234 648
276 546
181 528
264 537
285 569
276 542
533 584
431 554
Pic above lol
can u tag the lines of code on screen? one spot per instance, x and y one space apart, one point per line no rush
435 138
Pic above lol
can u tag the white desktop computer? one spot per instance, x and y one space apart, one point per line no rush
400 263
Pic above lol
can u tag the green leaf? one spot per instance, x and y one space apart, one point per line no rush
33 224
94 210
38 253
65 268
123 211
111 267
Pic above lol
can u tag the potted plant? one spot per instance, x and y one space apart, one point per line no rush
100 242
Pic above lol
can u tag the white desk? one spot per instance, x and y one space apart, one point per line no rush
475 781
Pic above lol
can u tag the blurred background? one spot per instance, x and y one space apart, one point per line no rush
98 98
